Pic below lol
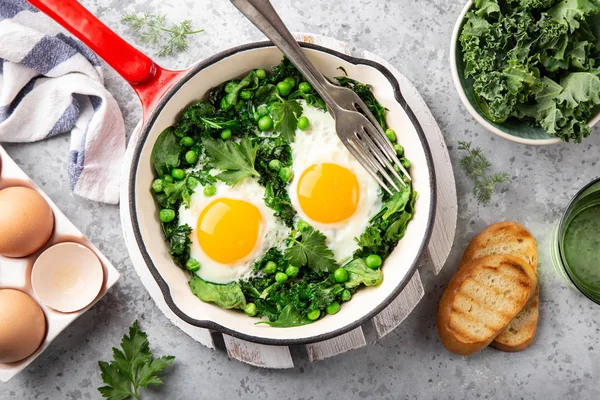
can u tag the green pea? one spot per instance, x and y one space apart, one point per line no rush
270 267
340 275
373 261
167 178
250 309
230 86
226 134
275 165
291 81
158 185
333 308
346 295
246 94
314 314
265 123
178 174
405 163
187 141
292 271
302 225
191 157
390 134
303 123
209 190
261 73
262 110
166 215
191 182
399 149
225 104
286 174
281 277
192 264
305 87
284 88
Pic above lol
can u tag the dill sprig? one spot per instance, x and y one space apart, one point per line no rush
152 29
476 167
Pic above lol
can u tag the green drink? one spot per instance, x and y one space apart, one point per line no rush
578 242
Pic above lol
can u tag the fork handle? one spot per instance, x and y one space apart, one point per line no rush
262 14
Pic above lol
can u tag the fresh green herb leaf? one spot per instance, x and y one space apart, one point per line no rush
225 296
133 367
398 202
476 166
152 29
359 273
285 115
310 249
235 160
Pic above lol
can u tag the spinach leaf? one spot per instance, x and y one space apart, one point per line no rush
310 249
288 317
225 296
359 273
398 201
166 152
235 160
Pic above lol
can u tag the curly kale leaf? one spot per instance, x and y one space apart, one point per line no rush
517 52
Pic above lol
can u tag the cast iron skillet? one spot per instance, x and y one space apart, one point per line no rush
156 86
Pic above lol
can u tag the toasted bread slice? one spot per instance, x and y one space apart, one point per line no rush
503 238
510 238
481 299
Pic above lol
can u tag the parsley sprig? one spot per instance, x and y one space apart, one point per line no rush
476 167
310 249
152 29
133 367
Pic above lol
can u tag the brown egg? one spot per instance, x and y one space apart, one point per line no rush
26 220
22 325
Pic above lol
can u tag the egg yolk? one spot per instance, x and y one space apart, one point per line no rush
328 193
229 230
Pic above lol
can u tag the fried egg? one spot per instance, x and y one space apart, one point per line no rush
330 189
230 230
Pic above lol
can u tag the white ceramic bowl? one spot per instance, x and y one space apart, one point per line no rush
519 132
367 302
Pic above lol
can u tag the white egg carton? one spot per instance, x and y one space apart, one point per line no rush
15 273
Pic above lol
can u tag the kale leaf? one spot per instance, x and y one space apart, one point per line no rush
535 60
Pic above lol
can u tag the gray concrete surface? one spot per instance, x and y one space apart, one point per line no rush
564 361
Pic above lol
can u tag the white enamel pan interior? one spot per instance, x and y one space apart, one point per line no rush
367 302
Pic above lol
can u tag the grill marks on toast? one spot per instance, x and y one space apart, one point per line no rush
510 238
487 300
481 299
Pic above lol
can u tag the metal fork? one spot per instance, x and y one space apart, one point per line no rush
362 135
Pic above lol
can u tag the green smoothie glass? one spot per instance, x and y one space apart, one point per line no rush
576 242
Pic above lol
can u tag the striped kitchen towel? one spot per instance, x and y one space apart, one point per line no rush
50 83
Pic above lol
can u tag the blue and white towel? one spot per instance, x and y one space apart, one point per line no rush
50 83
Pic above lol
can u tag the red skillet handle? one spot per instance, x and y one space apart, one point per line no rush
149 80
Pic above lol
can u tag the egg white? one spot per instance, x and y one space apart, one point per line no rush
274 230
320 144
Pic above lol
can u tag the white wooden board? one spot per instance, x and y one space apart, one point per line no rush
438 250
